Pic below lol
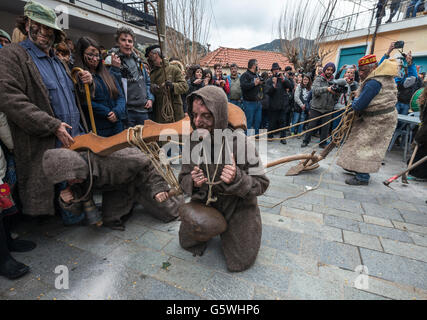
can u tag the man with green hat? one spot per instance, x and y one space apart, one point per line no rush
4 38
38 96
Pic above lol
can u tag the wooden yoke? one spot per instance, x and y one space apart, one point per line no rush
151 132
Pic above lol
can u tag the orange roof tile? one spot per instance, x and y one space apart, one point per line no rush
227 56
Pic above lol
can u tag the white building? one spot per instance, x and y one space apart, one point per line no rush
98 19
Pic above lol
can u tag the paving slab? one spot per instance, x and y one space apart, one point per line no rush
185 275
404 249
307 287
384 232
417 218
419 239
362 240
226 287
410 227
395 268
338 213
342 223
377 286
302 215
380 211
378 221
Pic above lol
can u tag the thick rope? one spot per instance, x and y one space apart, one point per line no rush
339 136
212 182
167 112
156 156
298 124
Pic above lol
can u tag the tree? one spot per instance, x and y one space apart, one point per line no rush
302 27
187 30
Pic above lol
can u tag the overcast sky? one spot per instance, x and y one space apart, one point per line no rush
248 23
243 23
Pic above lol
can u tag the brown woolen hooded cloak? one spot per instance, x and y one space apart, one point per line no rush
124 177
237 201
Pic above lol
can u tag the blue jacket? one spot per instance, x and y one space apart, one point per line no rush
102 105
412 71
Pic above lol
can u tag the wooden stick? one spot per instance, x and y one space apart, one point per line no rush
415 165
405 176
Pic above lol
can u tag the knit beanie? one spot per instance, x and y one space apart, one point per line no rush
329 65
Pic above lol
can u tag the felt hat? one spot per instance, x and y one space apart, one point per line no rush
275 66
151 48
369 59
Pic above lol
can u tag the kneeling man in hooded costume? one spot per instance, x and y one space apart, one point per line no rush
125 177
223 180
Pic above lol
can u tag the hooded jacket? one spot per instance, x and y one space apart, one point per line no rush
236 201
124 177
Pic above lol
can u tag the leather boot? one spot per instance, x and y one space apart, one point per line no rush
9 267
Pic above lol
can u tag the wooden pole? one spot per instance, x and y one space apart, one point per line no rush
162 23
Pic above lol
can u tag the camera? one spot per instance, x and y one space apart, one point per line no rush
399 44
339 86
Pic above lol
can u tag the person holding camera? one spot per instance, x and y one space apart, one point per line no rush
324 100
250 82
406 81
374 122
346 97
279 109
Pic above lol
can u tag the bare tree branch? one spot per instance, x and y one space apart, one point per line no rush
302 26
188 28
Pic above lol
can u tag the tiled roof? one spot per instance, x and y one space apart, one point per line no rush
227 56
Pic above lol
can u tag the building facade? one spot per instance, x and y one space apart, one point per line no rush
98 19
346 45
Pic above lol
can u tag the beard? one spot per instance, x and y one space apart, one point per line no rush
43 45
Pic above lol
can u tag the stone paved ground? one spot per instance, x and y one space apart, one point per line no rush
313 247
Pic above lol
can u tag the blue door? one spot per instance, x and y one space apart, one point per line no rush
421 61
351 56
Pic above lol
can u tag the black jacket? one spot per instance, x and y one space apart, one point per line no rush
250 92
266 98
280 99
404 95
194 87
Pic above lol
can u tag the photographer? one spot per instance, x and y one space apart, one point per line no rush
251 83
279 110
407 80
324 100
347 96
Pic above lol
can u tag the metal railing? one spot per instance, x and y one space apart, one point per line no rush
370 17
135 12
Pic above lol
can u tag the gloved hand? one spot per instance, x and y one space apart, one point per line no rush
169 85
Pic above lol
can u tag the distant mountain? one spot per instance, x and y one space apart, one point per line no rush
272 46
276 45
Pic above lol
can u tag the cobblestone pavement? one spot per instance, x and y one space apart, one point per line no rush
314 247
